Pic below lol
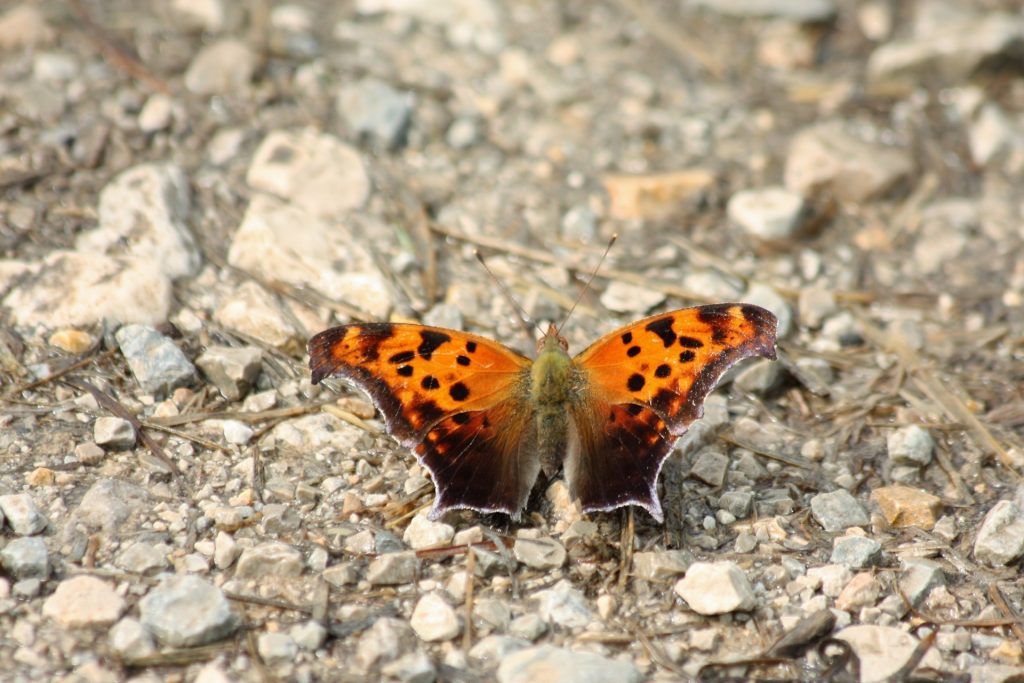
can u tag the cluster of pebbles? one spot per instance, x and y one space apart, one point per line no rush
189 191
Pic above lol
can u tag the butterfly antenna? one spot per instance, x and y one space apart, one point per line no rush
593 274
524 319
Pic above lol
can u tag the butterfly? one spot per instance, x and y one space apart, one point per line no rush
485 420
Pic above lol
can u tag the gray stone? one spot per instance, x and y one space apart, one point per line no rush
142 557
84 601
113 432
157 113
737 503
280 519
716 588
376 112
109 503
918 577
27 589
413 667
837 511
282 242
276 648
1000 539
827 156
24 25
69 288
433 619
21 514
947 51
528 627
143 215
580 224
538 553
233 370
225 66
661 565
710 467
564 605
185 611
130 639
201 15
815 304
883 650
158 365
995 673
424 533
491 614
317 173
309 635
269 559
26 558
386 640
547 663
759 376
463 133
491 650
625 297
855 552
393 569
768 213
910 445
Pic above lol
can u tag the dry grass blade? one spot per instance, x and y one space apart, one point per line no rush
88 358
115 53
938 392
467 635
241 416
996 594
626 550
541 256
120 411
352 419
673 38
192 655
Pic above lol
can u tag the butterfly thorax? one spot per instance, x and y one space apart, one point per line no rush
554 381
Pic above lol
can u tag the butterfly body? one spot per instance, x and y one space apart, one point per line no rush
484 420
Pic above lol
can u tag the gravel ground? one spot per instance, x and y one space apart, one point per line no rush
188 192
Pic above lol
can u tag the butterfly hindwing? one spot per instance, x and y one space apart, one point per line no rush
616 456
483 460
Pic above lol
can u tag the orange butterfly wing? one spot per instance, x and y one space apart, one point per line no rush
454 398
645 384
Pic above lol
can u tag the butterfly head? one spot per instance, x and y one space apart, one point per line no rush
551 340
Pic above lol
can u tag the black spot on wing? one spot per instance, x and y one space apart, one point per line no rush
471 346
690 343
460 418
459 391
431 340
663 328
430 383
627 338
662 370
686 356
635 382
402 357
405 371
633 351
462 360
634 409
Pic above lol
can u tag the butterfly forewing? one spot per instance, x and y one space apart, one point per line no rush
670 362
